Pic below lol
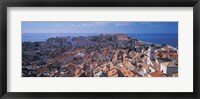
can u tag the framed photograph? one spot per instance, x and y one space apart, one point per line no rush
99 49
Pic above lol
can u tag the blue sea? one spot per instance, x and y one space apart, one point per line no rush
157 38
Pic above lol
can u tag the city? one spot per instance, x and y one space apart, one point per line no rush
104 55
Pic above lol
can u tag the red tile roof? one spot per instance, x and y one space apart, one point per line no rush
157 73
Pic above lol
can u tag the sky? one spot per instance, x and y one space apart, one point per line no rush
99 27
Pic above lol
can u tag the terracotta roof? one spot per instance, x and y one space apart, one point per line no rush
123 39
157 73
165 55
175 55
157 66
112 72
127 73
145 66
41 70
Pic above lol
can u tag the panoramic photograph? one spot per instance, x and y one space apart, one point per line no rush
99 49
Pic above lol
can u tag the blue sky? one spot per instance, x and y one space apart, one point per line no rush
99 27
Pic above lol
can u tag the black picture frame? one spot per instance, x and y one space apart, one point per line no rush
99 3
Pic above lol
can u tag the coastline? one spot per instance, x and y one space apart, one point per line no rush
34 37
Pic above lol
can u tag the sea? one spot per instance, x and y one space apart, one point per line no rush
156 38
